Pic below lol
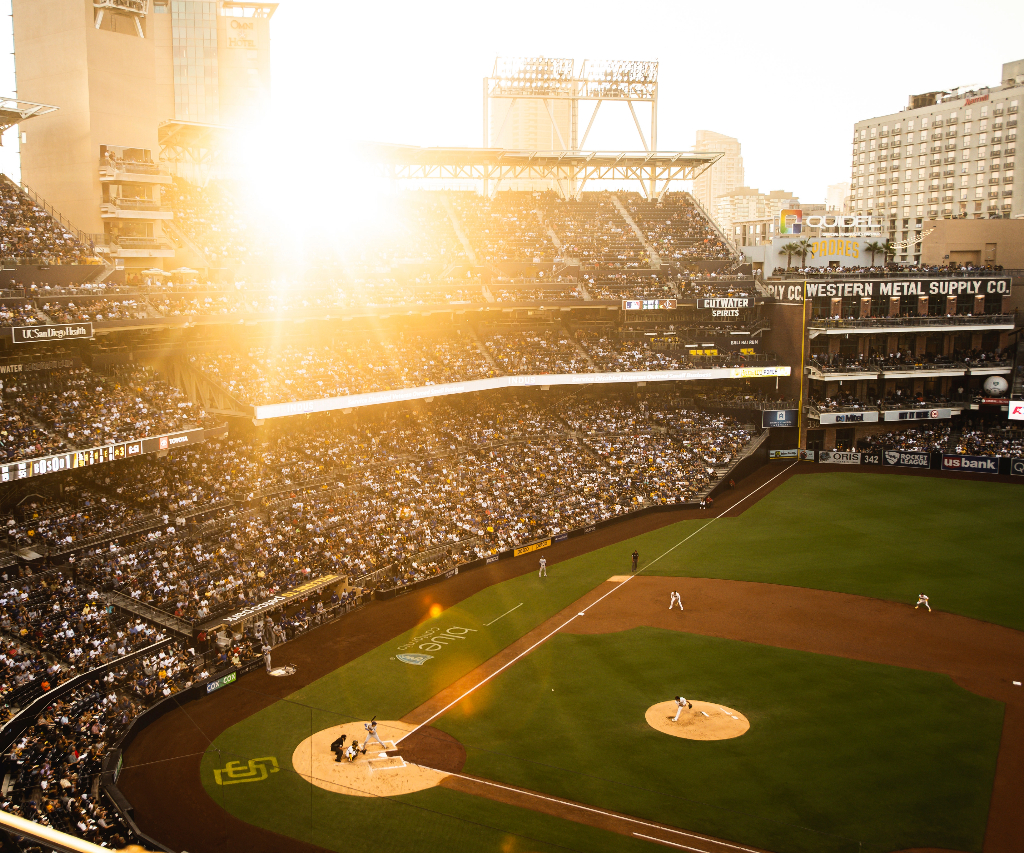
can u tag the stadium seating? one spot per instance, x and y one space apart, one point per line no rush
28 233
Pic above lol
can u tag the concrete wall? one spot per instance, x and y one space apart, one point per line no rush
103 82
996 241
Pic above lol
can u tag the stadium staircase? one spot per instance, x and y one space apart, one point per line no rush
459 231
737 254
483 349
182 240
579 347
149 613
655 258
205 392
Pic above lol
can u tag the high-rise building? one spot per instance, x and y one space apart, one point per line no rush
745 204
142 87
948 154
526 125
725 176
837 197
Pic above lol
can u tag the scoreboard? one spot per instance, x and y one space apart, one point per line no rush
647 304
86 457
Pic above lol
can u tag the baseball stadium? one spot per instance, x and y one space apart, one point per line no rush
514 498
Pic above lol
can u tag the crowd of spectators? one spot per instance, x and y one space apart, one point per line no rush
97 310
27 232
78 407
676 228
19 315
211 218
973 441
507 227
397 490
593 231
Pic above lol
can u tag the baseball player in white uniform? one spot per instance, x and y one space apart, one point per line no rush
675 598
371 733
923 599
680 704
543 573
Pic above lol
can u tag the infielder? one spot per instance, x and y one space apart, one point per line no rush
675 599
371 732
543 573
680 704
923 599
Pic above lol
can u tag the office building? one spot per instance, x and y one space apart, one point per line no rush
144 89
725 176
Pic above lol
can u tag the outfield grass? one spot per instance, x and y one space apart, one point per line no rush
838 750
877 535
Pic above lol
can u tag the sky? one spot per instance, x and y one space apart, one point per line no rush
788 82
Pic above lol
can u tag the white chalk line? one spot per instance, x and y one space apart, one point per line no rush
503 615
615 588
583 808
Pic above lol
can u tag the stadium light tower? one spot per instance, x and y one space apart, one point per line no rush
557 82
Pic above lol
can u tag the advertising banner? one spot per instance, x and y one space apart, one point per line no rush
848 418
977 464
223 681
917 414
1016 411
839 457
721 307
526 549
783 454
62 332
1017 467
906 458
793 291
108 453
278 600
778 418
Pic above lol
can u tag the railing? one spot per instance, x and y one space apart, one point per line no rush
54 214
136 204
933 275
133 167
885 322
140 243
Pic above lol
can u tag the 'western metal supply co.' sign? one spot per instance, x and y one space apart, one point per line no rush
62 332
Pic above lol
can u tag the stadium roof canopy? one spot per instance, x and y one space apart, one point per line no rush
570 170
13 111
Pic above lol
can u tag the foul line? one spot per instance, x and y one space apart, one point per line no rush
615 588
584 808
503 615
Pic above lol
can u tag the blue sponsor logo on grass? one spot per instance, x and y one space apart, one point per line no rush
417 660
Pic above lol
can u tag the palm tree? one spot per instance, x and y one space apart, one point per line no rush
789 250
804 248
875 248
889 250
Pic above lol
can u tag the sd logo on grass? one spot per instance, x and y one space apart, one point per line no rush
234 772
417 660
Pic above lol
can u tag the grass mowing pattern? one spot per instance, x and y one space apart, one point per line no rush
877 535
892 757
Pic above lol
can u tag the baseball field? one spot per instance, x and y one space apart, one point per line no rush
535 714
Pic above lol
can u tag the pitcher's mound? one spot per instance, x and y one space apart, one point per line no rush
383 771
704 721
